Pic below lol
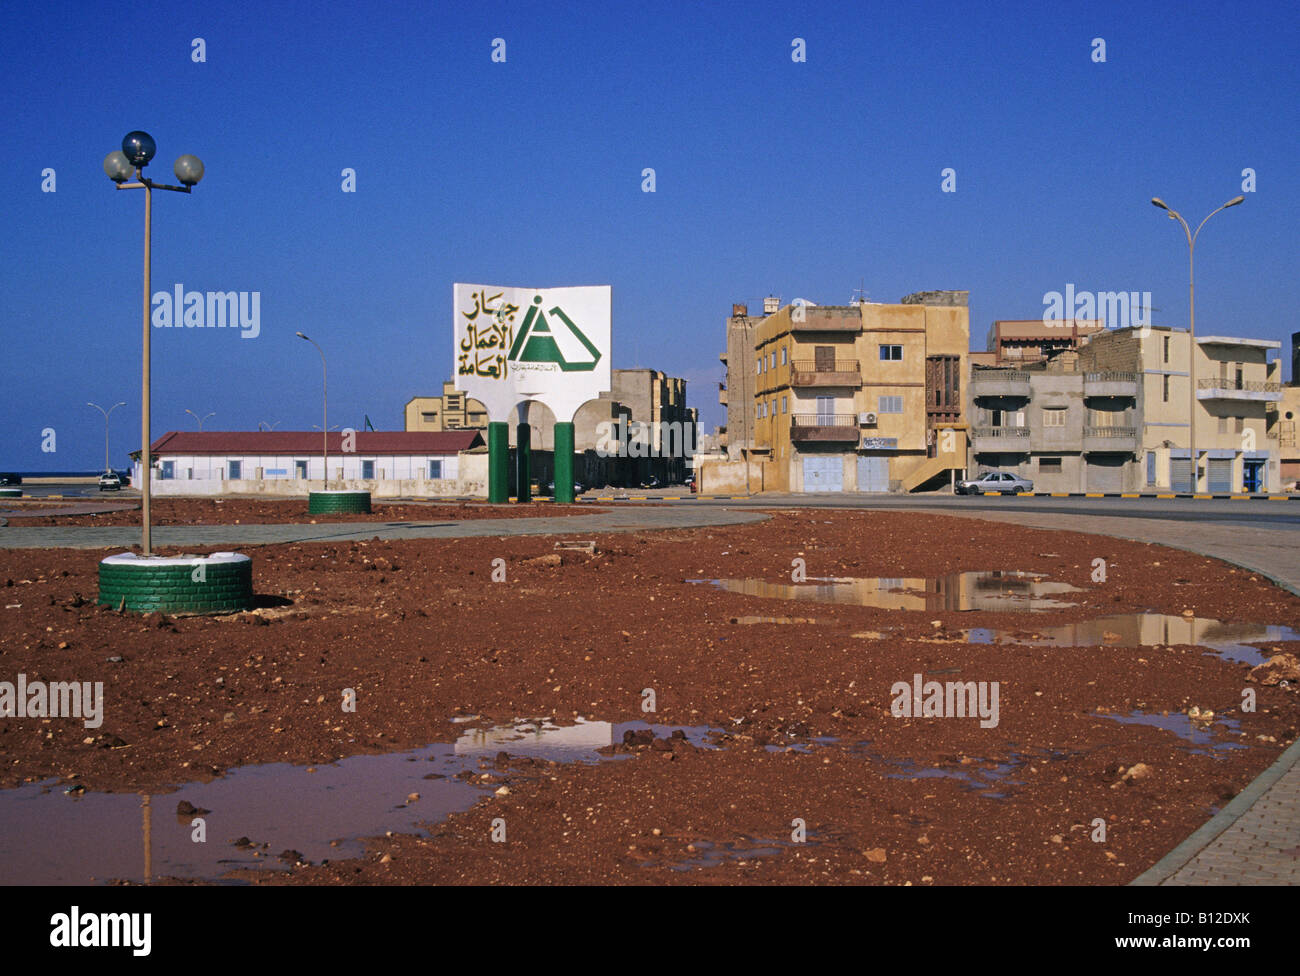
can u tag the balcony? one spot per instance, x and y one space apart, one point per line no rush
836 428
1223 388
1109 439
1111 384
843 372
999 383
998 440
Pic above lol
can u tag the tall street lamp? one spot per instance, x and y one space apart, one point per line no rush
1191 322
325 405
120 403
121 165
198 418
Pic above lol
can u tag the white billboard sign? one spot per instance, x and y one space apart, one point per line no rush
551 345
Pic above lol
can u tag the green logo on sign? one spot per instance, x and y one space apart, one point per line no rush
536 342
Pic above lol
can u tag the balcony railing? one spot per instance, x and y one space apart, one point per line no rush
999 382
824 427
1006 432
1230 385
1106 432
842 372
1111 377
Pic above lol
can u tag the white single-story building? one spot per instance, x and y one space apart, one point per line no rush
385 463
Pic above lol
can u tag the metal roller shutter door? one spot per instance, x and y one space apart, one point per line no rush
1220 475
1180 474
1105 473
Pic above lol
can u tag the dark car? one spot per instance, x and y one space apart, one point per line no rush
10 479
650 482
998 482
549 488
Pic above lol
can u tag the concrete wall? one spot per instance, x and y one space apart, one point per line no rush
730 477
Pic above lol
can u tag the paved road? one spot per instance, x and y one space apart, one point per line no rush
631 518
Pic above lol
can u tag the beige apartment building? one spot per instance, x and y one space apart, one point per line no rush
451 411
1237 396
863 397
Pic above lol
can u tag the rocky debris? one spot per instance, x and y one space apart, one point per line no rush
187 809
550 559
1137 772
1277 669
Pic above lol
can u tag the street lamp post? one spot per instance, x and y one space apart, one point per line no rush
1191 323
120 403
121 165
198 418
263 424
325 407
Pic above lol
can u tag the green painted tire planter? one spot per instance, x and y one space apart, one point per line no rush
11 493
219 583
326 502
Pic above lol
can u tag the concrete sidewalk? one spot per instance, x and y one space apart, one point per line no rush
1255 839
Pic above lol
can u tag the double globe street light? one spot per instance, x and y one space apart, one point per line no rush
1191 324
121 165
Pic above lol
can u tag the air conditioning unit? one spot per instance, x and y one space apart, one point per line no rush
867 419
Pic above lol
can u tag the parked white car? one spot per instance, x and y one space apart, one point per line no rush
1001 482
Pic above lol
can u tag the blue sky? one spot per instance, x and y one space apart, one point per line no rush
797 179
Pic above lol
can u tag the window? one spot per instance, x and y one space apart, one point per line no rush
168 471
891 353
1054 417
772 364
429 416
367 469
785 404
783 358
1049 463
1166 350
435 469
1164 392
1223 425
234 472
758 365
1241 425
890 404
759 410
773 406
300 469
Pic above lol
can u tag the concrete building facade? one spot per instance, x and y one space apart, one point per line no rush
450 411
863 397
1112 416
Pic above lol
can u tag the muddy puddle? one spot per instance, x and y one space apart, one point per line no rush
1228 640
993 591
51 833
1209 735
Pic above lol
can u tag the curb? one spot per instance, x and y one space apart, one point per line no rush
1180 856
